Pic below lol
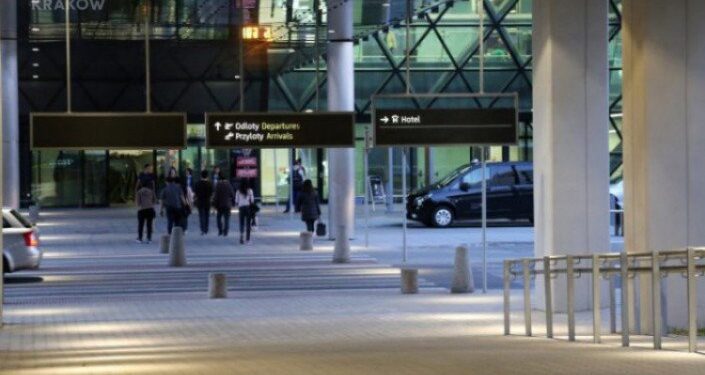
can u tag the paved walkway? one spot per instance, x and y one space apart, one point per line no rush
101 304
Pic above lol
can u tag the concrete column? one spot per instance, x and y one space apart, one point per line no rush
5 32
10 114
664 133
571 151
341 97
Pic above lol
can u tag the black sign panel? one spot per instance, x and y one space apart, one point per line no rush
85 131
280 130
417 127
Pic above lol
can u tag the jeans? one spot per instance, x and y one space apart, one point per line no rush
309 225
245 222
204 218
145 216
173 218
223 221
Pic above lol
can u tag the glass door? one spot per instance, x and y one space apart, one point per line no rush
95 184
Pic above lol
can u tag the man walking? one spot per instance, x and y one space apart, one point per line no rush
203 190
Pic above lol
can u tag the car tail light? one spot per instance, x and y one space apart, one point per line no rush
30 239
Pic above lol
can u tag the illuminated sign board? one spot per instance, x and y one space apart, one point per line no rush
280 130
428 127
257 33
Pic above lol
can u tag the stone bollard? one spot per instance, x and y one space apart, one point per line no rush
164 244
217 285
34 213
177 251
409 281
462 276
306 241
341 253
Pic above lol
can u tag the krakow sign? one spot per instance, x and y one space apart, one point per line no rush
95 5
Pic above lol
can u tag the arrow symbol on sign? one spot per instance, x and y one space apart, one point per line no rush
229 136
384 119
228 125
218 125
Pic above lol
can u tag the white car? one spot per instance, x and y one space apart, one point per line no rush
20 243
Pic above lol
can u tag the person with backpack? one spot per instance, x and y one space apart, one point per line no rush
223 200
173 199
245 200
309 205
203 191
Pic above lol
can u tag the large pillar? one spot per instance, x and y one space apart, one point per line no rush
664 134
10 114
341 97
3 32
571 150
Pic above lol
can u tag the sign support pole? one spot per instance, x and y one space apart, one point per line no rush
481 11
390 180
404 211
366 164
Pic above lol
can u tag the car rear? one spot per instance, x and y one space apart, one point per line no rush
20 242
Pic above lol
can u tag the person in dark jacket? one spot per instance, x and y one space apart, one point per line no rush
203 192
145 199
308 204
223 200
173 199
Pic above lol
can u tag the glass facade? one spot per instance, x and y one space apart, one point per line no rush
196 49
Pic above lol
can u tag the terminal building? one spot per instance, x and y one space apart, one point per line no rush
194 60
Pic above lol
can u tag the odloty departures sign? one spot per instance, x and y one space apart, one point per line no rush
445 127
280 130
97 131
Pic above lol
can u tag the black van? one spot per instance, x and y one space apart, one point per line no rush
458 196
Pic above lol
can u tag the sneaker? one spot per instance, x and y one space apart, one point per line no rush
138 241
148 242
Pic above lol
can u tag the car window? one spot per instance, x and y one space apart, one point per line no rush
474 178
21 219
502 175
526 174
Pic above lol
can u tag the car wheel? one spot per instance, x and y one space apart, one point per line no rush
442 217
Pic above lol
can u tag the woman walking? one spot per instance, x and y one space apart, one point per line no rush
308 203
145 200
245 199
223 199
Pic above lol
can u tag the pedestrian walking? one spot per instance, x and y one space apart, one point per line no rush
298 176
145 199
146 178
309 205
187 202
223 200
173 199
203 192
245 200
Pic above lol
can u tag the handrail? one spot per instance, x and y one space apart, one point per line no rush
688 262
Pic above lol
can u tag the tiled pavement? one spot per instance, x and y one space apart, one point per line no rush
106 305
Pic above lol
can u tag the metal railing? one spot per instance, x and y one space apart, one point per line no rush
689 263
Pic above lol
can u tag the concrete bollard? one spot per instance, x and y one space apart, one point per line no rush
34 213
177 251
341 253
306 241
409 281
217 285
462 276
164 244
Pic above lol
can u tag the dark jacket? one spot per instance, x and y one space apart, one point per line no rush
309 205
172 196
203 190
224 195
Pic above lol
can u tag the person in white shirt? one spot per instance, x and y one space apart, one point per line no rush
244 199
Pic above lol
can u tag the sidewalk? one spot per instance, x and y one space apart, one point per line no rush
101 304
